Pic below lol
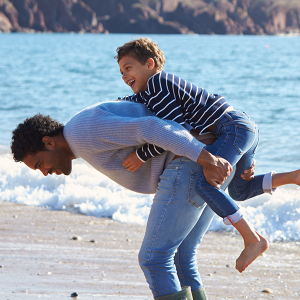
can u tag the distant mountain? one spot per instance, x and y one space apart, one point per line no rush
151 16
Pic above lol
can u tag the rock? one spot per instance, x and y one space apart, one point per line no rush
74 295
76 238
268 291
5 25
148 16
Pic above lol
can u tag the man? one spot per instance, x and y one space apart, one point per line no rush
104 135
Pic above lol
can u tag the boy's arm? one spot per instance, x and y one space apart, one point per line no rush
147 151
137 158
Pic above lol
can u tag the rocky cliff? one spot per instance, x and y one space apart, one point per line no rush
151 16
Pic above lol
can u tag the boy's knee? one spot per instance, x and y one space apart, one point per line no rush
236 195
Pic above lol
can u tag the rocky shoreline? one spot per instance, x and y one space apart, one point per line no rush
252 17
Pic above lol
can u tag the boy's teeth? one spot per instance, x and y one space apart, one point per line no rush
131 82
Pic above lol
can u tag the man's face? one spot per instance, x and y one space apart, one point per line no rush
56 161
135 74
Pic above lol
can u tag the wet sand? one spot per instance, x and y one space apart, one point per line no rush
40 258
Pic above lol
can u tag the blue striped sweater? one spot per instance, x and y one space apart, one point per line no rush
172 98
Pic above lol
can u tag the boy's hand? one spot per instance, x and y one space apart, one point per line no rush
132 162
249 173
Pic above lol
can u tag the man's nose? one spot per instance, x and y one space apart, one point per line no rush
44 171
123 76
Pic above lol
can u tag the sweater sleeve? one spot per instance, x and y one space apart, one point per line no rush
116 131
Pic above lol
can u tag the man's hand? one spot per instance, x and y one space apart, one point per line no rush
249 173
215 169
132 162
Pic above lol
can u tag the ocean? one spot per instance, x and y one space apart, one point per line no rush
60 74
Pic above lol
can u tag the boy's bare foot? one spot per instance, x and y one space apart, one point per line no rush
251 252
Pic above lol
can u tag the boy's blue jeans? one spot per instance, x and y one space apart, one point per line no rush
237 139
177 222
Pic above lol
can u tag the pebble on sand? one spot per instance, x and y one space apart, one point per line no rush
74 295
268 291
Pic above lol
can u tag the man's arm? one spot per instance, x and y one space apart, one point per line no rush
138 130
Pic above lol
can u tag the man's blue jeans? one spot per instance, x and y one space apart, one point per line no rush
237 140
177 222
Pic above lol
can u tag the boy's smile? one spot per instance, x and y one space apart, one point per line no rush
135 74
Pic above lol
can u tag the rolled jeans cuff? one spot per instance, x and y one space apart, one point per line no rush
232 219
267 183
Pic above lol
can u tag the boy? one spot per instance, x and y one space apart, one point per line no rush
170 97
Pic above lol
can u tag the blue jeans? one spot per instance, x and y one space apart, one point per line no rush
177 222
237 139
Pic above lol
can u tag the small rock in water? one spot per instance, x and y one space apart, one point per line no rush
74 295
92 241
76 238
268 291
1 266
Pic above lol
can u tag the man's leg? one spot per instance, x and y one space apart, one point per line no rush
172 217
186 256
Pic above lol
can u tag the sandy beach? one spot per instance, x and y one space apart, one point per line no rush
46 254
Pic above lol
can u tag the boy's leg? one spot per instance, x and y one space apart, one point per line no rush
237 138
236 135
240 189
172 217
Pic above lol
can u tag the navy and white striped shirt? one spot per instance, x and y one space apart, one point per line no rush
172 98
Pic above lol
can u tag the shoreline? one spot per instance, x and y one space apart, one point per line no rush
41 258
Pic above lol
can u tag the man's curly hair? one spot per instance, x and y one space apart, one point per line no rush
142 49
27 137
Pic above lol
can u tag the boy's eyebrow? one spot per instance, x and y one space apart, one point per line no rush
36 165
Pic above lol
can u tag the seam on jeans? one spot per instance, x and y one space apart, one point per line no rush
215 203
192 180
161 219
179 270
236 126
258 192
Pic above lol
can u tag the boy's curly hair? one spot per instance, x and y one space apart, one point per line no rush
27 137
142 49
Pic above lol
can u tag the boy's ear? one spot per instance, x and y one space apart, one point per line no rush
150 64
48 142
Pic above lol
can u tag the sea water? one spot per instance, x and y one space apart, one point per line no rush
60 74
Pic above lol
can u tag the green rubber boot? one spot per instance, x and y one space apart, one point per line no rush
184 294
199 294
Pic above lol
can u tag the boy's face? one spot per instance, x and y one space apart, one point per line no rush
135 74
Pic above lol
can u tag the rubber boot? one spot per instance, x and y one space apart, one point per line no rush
199 294
184 294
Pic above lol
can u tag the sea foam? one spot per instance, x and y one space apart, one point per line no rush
86 191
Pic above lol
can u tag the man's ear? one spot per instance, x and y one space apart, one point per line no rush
150 63
48 142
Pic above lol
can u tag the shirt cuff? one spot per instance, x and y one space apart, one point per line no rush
267 183
137 154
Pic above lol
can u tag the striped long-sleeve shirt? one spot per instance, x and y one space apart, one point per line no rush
173 98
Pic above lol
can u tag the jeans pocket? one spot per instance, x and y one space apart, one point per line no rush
244 137
193 198
167 183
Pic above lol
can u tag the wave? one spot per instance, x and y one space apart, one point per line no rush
86 191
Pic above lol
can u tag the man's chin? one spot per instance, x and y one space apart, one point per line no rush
67 172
